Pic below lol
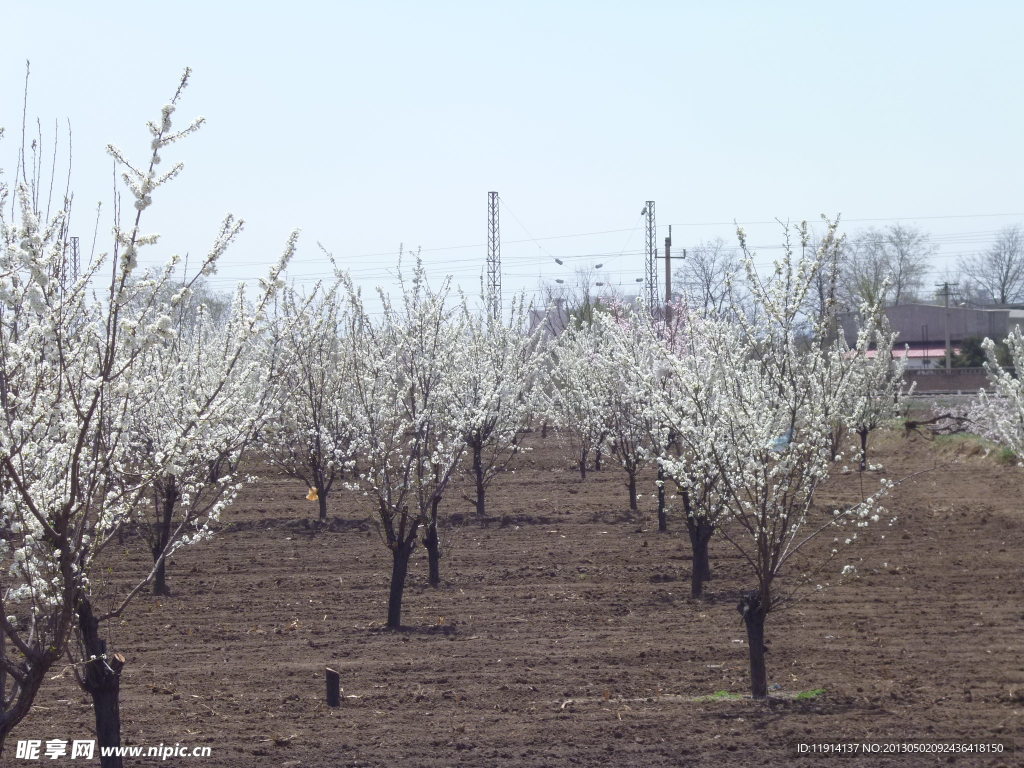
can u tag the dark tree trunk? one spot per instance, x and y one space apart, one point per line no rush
631 485
433 544
321 500
544 431
17 710
754 611
863 448
597 461
583 464
662 516
162 537
478 471
399 568
160 578
320 483
101 679
700 532
700 535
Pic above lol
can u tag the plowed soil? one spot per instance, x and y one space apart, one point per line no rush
564 632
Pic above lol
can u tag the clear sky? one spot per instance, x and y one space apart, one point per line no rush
370 124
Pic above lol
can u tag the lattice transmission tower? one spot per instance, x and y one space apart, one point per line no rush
493 258
651 274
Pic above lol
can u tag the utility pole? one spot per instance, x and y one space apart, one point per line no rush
651 273
668 266
493 258
949 347
668 276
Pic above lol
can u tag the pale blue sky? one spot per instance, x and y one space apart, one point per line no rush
377 123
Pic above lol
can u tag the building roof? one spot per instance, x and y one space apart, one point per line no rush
916 353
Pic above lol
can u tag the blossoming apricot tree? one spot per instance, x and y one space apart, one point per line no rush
406 380
310 435
502 367
74 367
766 431
1000 414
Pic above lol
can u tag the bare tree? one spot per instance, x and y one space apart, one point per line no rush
565 301
863 277
998 273
704 278
887 265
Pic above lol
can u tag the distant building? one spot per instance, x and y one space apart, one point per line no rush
922 328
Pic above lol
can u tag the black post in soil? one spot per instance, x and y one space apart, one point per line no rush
333 685
101 679
754 611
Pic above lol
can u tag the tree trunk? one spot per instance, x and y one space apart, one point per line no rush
662 516
700 535
597 461
700 532
101 679
433 544
316 475
631 485
321 500
583 464
863 448
399 568
836 440
162 537
754 611
160 578
544 431
17 710
705 564
478 470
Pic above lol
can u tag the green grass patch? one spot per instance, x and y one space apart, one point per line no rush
808 695
969 445
723 696
1007 457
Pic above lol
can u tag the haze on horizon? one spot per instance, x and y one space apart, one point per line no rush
370 125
